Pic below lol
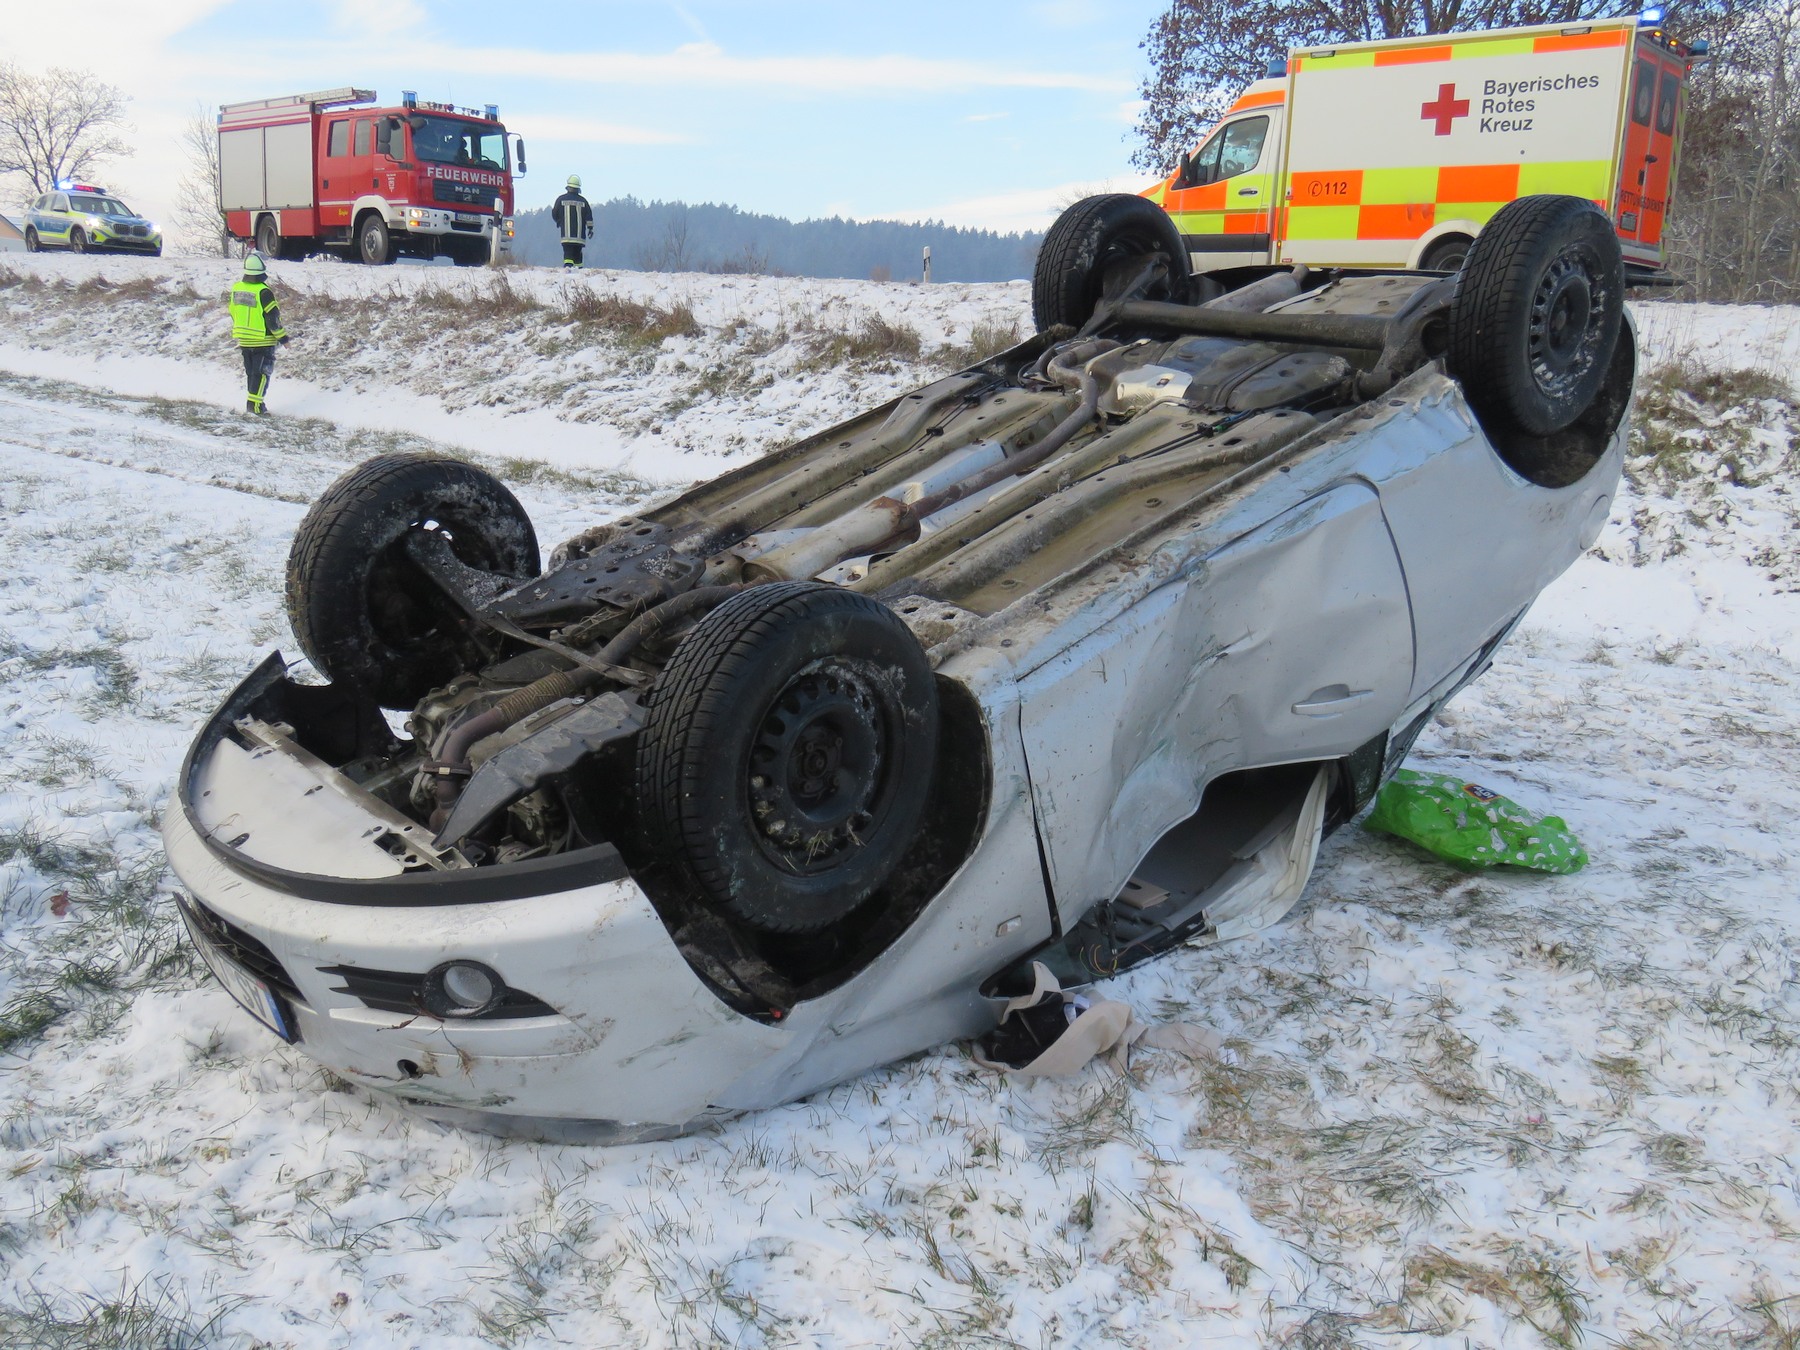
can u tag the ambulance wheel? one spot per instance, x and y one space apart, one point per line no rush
359 607
77 242
373 245
1447 254
31 242
787 754
1536 313
1096 249
268 237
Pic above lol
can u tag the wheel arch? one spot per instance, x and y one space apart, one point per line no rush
1441 230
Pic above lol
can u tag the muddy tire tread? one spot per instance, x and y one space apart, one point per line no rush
692 699
1495 280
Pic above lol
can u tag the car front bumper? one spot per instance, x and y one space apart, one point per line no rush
636 1048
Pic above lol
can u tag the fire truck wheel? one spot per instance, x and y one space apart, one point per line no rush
787 754
1096 250
359 607
1536 313
268 237
373 245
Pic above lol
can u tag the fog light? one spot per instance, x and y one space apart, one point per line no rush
463 989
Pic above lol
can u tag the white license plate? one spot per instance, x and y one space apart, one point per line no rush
255 996
468 217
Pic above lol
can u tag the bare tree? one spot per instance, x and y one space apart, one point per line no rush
1203 52
202 224
670 254
57 125
1734 222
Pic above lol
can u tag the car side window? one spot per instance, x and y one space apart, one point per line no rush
337 142
1643 92
1665 103
1234 148
363 134
59 202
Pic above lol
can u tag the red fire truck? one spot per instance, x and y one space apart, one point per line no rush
325 173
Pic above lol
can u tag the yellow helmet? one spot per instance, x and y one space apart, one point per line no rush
574 182
254 266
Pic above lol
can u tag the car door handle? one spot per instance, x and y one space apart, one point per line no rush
1331 700
1248 192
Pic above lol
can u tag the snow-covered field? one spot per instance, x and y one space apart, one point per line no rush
1461 1111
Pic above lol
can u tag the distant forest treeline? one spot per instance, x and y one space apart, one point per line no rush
679 237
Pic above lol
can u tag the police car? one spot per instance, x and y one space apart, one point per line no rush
87 219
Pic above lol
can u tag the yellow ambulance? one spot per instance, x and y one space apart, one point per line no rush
1395 153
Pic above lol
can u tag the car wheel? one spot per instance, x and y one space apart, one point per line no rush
361 610
31 242
1446 255
1094 247
787 754
373 245
77 242
268 237
1536 313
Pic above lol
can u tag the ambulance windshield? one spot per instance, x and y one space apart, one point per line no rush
445 140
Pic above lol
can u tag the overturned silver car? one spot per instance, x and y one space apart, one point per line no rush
1071 657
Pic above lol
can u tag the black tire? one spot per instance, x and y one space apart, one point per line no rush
373 244
829 695
1447 254
469 255
77 242
31 242
268 237
1090 239
359 608
1536 313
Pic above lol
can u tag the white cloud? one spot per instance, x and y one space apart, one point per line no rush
378 20
986 117
1029 209
709 65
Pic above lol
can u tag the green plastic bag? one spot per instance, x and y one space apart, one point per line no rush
1469 825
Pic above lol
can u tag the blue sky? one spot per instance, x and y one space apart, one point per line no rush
991 113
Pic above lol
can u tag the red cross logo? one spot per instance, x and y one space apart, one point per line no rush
1446 110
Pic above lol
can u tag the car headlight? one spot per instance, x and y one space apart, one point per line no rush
462 989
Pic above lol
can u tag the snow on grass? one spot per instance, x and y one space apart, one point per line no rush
1462 1110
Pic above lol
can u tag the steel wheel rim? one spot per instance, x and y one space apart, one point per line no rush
1565 326
816 782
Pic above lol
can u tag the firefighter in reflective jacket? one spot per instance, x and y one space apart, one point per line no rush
575 218
256 324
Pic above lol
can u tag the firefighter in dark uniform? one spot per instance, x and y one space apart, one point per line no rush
575 218
256 324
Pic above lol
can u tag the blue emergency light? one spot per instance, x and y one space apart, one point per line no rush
1651 17
493 112
409 98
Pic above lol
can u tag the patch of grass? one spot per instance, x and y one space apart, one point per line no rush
633 321
138 1317
876 340
989 337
